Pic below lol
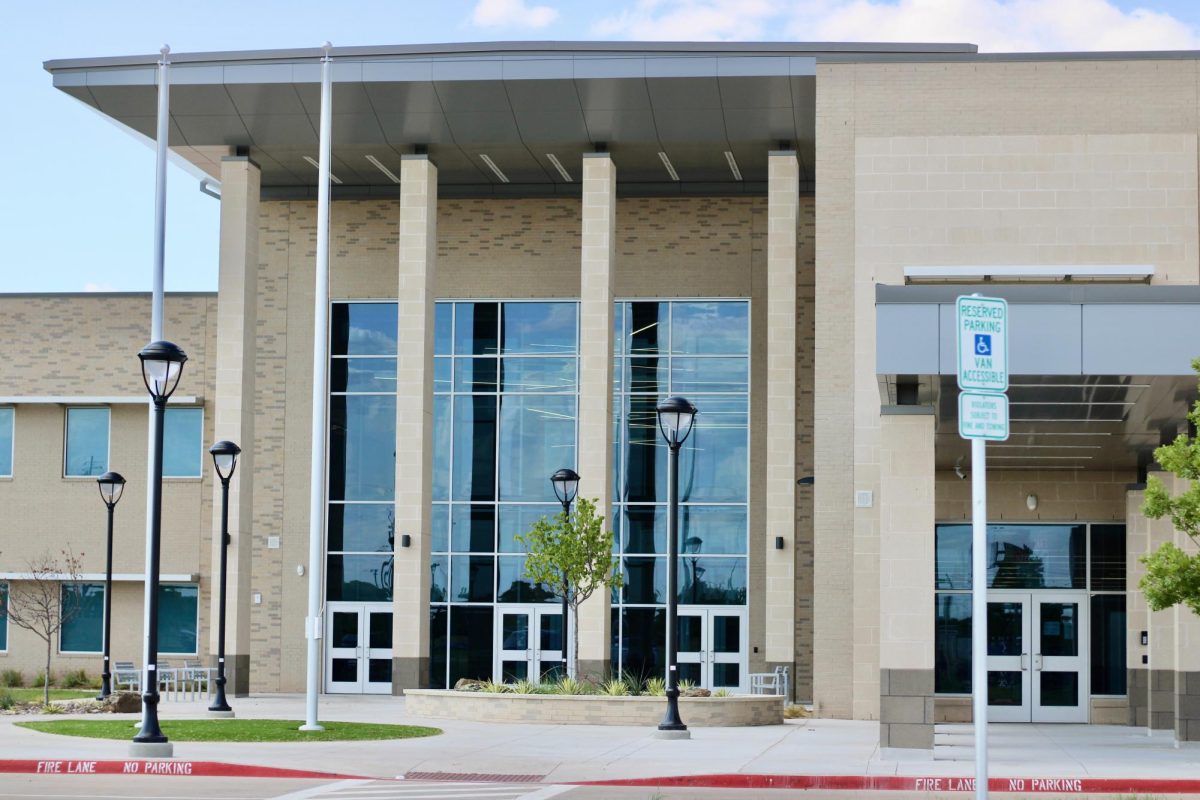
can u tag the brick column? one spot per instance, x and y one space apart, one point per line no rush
1162 636
596 273
906 579
1137 671
783 217
414 421
233 409
1186 632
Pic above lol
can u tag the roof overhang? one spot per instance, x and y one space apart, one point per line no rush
713 111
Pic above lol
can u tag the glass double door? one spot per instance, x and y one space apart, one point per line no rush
1037 657
529 643
358 648
712 647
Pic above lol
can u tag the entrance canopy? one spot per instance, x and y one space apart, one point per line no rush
497 118
1100 374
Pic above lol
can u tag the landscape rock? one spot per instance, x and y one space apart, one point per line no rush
695 691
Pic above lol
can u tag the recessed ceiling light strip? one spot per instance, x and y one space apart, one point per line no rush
566 176
485 158
1079 386
670 167
313 161
391 175
733 165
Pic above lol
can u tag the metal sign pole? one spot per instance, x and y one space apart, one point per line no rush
979 611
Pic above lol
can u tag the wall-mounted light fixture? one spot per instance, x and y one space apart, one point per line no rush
778 542
1031 502
405 540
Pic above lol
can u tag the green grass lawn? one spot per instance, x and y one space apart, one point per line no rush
34 695
233 730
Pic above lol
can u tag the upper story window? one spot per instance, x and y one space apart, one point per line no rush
6 442
86 442
183 430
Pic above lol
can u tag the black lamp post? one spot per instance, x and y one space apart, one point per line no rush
112 486
675 418
162 364
566 486
225 455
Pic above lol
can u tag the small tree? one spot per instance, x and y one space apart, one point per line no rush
1172 576
572 557
38 604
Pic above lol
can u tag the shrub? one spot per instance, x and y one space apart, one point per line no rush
492 687
52 708
39 680
526 687
721 693
794 712
655 687
7 700
614 688
12 677
634 681
685 684
76 679
572 686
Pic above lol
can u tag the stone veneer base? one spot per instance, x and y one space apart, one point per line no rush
705 712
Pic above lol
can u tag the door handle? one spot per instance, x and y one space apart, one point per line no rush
1024 661
1037 661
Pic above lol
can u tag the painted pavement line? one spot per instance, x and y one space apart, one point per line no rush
430 791
546 792
320 790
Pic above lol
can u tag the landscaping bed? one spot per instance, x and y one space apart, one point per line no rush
234 730
592 709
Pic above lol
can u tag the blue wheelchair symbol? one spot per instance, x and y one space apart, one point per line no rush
983 344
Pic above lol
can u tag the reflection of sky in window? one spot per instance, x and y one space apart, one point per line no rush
538 328
6 441
1019 556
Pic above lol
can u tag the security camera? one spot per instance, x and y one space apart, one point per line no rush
959 471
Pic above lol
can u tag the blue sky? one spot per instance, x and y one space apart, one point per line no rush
77 211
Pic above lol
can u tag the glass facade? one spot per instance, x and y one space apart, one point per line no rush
6 443
505 403
1077 556
183 433
699 349
86 442
361 521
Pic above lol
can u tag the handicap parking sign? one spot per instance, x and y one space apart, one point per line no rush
983 344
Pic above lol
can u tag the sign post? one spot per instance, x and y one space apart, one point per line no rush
982 417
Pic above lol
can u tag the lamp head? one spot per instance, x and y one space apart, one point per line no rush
225 454
112 486
162 364
675 418
566 484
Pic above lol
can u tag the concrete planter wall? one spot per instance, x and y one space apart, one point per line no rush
705 712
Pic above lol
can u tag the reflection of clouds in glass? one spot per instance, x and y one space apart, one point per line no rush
365 340
539 327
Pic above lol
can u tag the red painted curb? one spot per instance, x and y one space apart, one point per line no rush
894 783
163 766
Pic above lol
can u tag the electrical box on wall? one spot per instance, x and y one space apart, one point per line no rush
272 542
864 498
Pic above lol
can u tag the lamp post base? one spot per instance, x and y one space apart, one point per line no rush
216 714
151 750
671 734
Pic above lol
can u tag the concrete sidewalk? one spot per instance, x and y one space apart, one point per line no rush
569 753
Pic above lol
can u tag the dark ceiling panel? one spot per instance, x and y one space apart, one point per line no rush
348 98
765 124
415 128
620 125
690 125
626 94
517 164
123 101
638 163
751 158
542 95
201 101
552 126
274 173
684 93
403 98
213 130
148 127
483 127
756 92
280 129
265 99
460 96
698 163
354 129
456 167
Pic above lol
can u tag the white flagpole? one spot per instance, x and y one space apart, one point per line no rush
156 332
320 402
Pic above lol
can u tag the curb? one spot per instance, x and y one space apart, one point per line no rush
895 783
166 766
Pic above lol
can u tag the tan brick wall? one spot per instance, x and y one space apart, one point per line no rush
46 512
985 163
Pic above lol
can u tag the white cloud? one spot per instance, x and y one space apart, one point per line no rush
97 287
995 25
512 14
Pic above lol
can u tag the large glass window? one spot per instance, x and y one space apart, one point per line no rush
177 618
82 630
6 443
699 349
361 522
86 442
1088 558
183 440
505 405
